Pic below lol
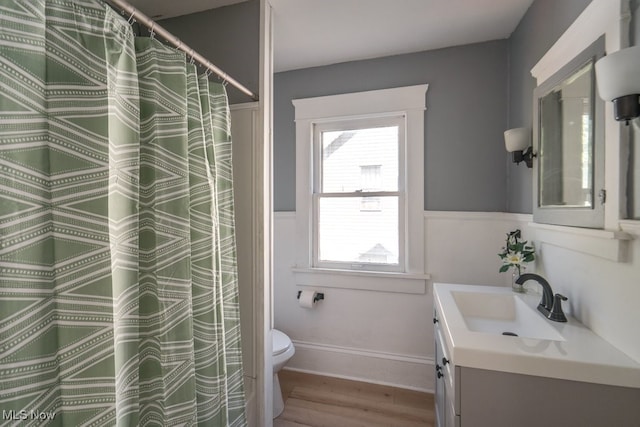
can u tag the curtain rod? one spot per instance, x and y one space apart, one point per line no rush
178 44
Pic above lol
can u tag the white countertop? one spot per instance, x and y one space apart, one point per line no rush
582 356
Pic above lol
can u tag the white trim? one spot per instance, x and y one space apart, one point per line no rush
478 216
461 215
409 101
376 367
365 353
380 281
600 17
381 101
630 226
363 380
284 215
246 151
368 274
607 244
264 222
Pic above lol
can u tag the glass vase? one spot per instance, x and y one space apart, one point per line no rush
516 287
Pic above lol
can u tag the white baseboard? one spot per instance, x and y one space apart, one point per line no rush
396 370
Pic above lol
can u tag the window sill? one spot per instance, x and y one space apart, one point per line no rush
607 244
630 226
405 283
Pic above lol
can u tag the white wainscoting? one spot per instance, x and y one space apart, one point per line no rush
243 130
462 247
380 336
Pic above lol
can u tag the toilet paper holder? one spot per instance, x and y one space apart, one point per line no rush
316 298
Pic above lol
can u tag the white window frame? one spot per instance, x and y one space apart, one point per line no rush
409 102
360 123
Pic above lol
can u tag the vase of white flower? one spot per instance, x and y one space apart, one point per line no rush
515 286
515 254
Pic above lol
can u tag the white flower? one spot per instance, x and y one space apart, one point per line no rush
514 258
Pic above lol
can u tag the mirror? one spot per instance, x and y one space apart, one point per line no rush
566 142
569 141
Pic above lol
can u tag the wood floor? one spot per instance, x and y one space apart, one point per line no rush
317 401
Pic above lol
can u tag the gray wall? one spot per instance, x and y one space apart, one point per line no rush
465 161
541 26
475 93
229 37
635 28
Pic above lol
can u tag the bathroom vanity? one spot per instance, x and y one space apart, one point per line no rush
539 372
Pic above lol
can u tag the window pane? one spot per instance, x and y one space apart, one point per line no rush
360 159
350 230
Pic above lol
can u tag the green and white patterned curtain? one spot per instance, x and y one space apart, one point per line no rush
118 279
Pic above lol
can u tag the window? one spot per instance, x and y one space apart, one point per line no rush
360 190
358 208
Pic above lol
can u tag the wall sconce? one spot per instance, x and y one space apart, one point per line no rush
619 81
517 141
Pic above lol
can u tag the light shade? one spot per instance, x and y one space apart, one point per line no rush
516 139
617 74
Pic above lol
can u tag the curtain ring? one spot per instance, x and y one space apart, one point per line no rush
207 73
178 43
131 19
152 35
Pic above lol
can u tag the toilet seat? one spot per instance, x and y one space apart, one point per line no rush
281 342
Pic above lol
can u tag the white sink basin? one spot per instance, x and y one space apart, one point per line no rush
503 314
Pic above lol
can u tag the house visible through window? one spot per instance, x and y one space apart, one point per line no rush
371 179
357 193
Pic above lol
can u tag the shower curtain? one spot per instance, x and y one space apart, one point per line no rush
118 283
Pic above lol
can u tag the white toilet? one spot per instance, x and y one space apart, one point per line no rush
283 350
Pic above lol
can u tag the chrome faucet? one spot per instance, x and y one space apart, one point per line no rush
550 305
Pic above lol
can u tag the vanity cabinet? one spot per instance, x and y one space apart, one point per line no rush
447 406
472 397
